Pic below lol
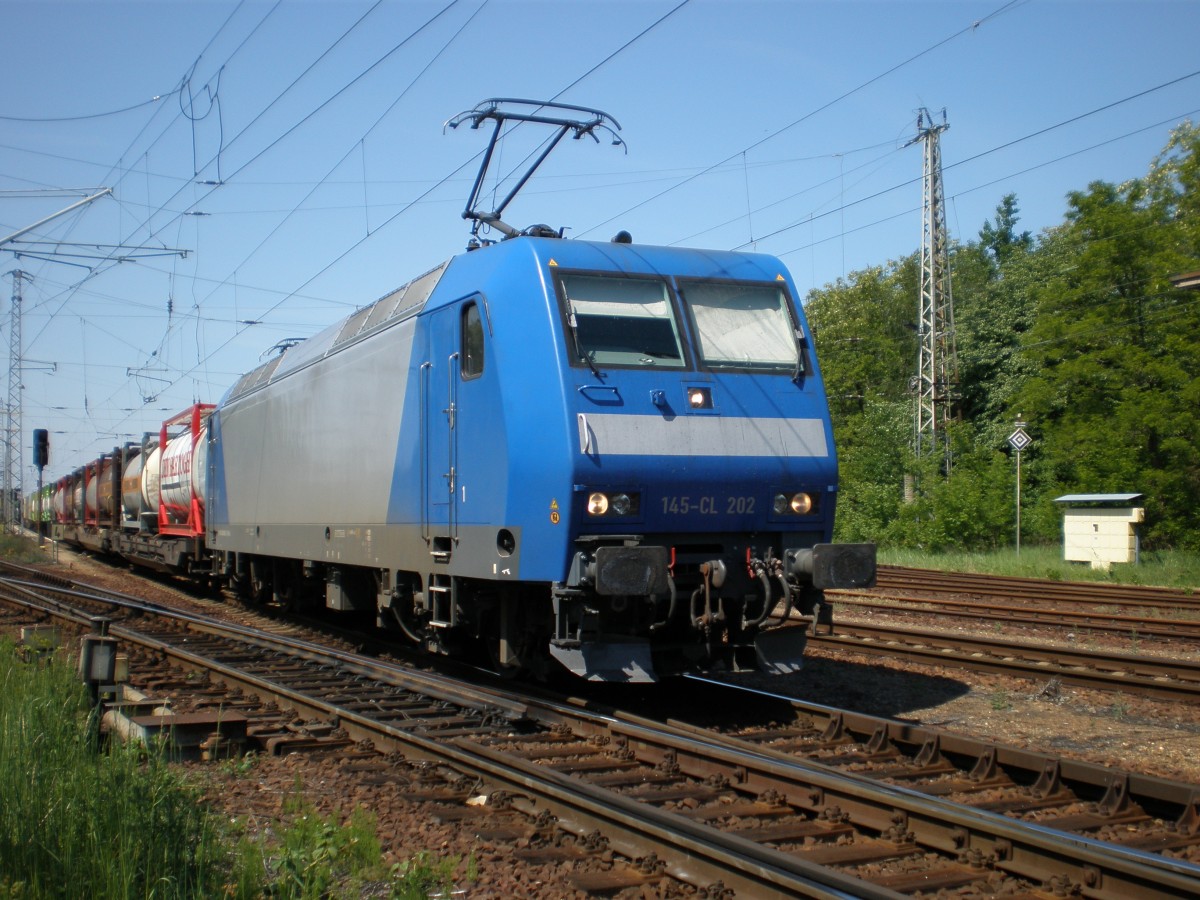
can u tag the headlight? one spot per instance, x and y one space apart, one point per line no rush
700 397
799 504
620 504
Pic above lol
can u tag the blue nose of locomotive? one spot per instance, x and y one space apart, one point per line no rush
704 454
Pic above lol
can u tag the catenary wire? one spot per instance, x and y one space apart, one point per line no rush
844 96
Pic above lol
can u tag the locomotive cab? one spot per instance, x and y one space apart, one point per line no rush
704 482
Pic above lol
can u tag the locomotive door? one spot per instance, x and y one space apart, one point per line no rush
439 458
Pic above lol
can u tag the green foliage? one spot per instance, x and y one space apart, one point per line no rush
872 447
864 329
1078 331
999 238
239 766
1116 352
973 509
314 853
20 549
424 875
994 311
312 856
78 822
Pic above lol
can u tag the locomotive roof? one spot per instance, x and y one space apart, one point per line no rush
411 298
649 258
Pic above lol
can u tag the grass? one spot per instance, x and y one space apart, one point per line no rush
20 549
81 820
1164 568
76 822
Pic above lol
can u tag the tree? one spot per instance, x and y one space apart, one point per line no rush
1116 349
865 336
999 237
1079 330
863 329
993 320
1173 187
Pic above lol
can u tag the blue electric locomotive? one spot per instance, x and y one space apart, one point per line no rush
612 455
607 457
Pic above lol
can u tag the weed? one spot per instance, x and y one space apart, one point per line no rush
310 856
239 766
76 821
425 876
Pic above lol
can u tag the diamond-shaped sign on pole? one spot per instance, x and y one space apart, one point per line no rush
1019 440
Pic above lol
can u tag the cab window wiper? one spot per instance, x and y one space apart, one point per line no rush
579 350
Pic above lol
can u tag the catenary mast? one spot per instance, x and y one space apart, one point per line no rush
12 433
10 507
937 372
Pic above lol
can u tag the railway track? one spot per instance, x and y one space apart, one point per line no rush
1148 676
748 813
1088 622
919 584
1083 612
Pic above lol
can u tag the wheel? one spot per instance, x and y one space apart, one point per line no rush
259 582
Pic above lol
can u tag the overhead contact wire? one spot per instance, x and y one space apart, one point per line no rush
970 28
392 218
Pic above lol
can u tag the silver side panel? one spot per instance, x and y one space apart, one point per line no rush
321 438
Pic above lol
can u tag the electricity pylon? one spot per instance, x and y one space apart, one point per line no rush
12 433
937 370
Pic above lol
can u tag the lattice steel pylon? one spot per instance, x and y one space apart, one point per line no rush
937 372
12 433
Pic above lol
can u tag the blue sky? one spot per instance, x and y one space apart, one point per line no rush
296 152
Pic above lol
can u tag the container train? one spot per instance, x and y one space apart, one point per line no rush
607 457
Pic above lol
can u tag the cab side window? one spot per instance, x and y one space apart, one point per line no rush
471 353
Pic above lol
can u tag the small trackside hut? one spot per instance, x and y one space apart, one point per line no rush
1102 529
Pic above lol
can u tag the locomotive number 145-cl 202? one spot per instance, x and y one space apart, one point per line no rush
611 457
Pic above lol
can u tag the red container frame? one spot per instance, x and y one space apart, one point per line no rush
169 521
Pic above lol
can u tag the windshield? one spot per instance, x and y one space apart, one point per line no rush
622 321
743 326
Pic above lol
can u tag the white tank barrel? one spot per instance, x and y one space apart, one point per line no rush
182 471
90 494
131 487
151 480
